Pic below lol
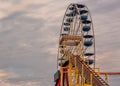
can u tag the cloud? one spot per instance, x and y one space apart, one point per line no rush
2 74
25 43
109 59
3 83
11 78
29 33
11 1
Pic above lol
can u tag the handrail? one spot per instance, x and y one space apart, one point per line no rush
97 80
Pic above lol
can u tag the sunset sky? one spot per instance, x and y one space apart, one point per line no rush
29 32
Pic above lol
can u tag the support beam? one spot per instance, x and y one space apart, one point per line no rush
110 73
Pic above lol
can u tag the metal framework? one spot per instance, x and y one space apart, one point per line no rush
76 50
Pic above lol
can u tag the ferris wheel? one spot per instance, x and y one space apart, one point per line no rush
76 50
77 26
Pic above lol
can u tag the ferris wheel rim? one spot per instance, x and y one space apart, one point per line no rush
82 26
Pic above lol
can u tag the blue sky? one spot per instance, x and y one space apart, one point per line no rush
29 32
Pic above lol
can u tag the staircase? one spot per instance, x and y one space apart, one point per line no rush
96 79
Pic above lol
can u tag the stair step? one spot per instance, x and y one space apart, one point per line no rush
97 80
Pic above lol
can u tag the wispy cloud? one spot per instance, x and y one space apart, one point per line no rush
29 32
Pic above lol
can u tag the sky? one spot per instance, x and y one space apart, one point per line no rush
29 32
